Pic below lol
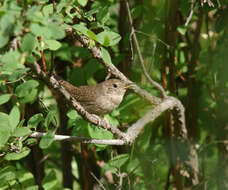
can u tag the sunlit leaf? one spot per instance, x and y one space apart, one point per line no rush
46 140
4 129
25 89
21 131
52 44
28 43
35 120
49 118
14 117
17 156
50 180
82 2
4 98
105 56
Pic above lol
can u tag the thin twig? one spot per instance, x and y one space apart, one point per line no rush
219 4
10 82
52 62
191 13
155 84
157 39
99 182
81 139
54 6
42 54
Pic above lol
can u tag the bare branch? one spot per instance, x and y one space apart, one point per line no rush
155 84
210 4
132 133
96 53
53 83
191 13
151 115
81 139
98 181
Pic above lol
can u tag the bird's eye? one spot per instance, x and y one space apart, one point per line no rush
115 85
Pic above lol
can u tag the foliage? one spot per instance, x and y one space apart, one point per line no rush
31 30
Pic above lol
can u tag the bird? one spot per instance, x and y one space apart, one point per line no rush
98 99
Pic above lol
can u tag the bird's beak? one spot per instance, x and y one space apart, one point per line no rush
128 86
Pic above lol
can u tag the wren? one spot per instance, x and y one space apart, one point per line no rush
98 99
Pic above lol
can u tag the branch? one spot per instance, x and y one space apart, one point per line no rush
133 131
190 14
52 82
96 53
81 139
151 115
210 4
155 84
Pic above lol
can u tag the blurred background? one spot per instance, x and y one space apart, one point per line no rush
185 48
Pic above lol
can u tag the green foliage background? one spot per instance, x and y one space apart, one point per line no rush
28 27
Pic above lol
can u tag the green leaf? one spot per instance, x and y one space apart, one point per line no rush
105 56
82 2
91 35
21 123
72 114
48 10
57 32
62 4
103 14
7 23
22 131
35 120
46 140
49 118
50 180
52 44
182 30
4 129
4 98
14 117
39 30
84 30
81 28
29 97
99 133
3 40
112 120
136 11
33 187
11 62
7 173
25 89
28 43
108 38
17 156
31 141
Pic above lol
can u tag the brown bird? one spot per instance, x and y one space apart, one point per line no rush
98 99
